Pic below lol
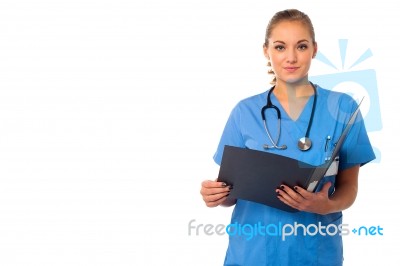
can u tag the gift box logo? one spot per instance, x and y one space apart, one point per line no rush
358 84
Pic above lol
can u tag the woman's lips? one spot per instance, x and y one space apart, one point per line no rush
291 69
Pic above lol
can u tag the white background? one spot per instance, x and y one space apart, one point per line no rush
110 113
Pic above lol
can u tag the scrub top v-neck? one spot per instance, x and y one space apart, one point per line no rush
295 126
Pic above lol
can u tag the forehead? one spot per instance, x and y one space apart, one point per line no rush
290 31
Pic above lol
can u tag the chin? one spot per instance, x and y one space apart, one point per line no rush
295 80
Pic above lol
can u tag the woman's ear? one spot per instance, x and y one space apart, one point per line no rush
265 49
315 50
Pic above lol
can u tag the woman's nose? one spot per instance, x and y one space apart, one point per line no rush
291 56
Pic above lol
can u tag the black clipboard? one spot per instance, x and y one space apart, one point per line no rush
255 175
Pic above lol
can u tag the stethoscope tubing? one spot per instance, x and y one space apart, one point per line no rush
304 143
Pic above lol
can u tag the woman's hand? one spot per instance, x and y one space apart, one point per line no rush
346 188
304 200
214 193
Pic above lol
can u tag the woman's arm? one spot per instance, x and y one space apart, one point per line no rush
346 189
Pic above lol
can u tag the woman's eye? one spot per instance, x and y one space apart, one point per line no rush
302 47
279 47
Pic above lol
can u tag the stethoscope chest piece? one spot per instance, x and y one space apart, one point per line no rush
304 144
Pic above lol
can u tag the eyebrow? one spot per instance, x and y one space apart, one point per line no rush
304 40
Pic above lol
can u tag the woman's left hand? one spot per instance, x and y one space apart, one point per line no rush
303 200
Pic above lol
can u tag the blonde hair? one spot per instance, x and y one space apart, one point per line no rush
287 15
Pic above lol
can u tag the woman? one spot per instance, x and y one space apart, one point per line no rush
308 112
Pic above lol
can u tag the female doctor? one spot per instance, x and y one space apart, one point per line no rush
301 120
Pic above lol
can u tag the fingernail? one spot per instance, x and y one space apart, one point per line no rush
295 188
282 187
223 184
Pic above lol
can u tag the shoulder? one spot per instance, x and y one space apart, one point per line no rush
336 105
335 98
248 106
254 101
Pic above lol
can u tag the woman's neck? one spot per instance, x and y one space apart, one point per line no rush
293 97
285 91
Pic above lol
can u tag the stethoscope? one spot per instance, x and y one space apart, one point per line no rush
304 143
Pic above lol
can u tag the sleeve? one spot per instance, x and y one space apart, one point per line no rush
357 148
231 134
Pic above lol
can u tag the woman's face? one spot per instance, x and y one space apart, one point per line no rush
290 51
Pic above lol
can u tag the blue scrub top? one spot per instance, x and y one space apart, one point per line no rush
256 236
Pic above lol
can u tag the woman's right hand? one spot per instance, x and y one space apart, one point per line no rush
214 193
